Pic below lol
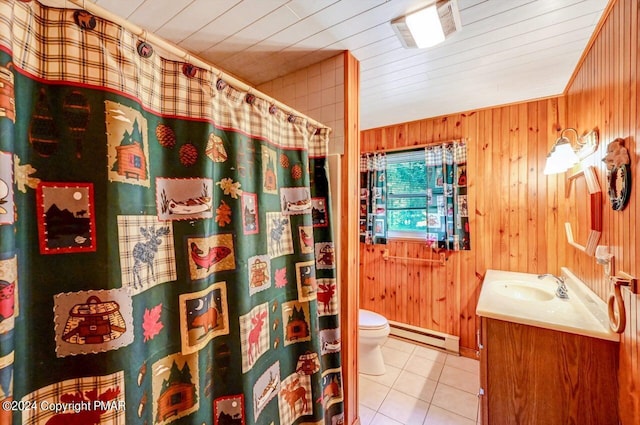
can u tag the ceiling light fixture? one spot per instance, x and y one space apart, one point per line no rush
428 26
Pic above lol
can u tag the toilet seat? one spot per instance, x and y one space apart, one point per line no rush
370 320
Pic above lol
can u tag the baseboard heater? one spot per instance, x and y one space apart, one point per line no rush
440 340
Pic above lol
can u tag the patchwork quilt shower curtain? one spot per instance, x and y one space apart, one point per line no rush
165 244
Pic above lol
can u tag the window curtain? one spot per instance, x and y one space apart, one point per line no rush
373 198
165 249
447 208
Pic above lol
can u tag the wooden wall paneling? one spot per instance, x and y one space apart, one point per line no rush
466 299
603 94
503 190
553 227
370 292
370 142
512 224
633 305
413 133
483 237
423 292
410 289
530 159
521 185
349 261
365 297
503 181
395 281
609 76
375 142
447 322
426 129
625 75
453 297
634 79
378 286
493 191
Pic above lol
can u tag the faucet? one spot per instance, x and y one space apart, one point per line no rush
561 290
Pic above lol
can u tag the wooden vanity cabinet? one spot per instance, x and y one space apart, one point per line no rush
535 376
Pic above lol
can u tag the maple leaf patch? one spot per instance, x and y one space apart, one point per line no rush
151 323
230 188
281 277
223 214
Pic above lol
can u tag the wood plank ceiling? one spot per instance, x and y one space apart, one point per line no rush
507 51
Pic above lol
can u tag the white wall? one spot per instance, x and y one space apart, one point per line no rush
316 91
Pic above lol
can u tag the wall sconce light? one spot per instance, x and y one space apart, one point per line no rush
428 26
565 155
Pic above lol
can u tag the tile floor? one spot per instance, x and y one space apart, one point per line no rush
422 386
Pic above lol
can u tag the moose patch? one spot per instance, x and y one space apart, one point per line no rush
147 256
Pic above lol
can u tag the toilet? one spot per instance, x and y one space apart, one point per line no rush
373 331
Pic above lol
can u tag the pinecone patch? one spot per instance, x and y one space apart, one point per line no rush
284 160
166 136
188 154
296 172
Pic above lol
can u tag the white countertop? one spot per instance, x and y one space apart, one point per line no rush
525 299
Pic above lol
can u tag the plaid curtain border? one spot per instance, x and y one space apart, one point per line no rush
46 43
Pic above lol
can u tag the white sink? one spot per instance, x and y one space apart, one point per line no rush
526 299
524 291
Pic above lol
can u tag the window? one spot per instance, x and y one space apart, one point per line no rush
417 194
407 194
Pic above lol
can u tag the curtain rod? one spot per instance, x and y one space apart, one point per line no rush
418 146
185 55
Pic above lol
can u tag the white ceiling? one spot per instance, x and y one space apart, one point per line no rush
507 51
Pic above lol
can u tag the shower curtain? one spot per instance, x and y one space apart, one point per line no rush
165 249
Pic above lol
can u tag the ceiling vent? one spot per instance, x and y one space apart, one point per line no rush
428 26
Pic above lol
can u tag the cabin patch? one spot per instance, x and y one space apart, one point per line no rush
175 387
128 145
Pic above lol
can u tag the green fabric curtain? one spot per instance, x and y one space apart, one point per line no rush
165 250
447 210
373 198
